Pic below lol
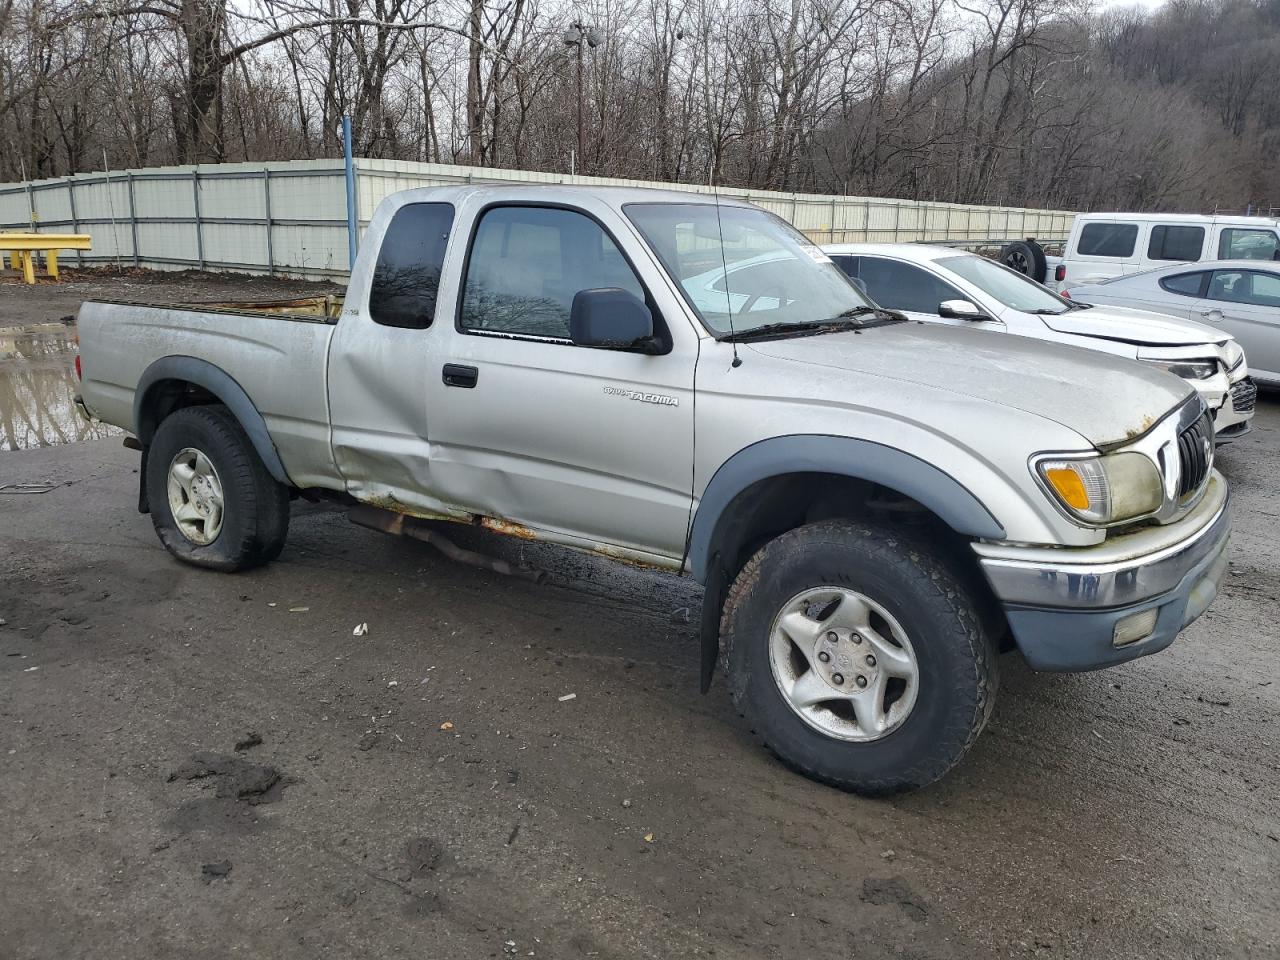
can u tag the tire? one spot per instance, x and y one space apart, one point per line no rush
252 521
909 591
273 515
1025 256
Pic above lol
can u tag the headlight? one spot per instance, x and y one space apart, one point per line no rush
1105 490
1235 356
1188 369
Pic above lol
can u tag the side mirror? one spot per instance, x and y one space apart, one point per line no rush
960 310
611 318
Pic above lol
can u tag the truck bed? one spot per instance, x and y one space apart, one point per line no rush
324 309
280 366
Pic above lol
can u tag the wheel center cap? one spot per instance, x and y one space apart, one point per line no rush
845 661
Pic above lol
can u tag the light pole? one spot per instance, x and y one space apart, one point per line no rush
577 35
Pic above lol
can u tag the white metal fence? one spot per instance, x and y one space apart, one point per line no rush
290 218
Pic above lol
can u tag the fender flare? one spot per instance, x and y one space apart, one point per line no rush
843 456
219 383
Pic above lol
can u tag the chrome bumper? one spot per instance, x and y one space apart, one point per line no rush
1066 607
1123 570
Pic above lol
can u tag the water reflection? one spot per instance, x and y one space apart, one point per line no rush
37 389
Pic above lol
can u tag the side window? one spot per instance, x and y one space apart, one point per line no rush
1238 244
528 263
846 263
1186 284
1246 286
406 277
849 267
1107 240
1266 289
901 286
1227 285
1175 243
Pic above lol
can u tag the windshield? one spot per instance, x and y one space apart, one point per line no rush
1011 288
774 276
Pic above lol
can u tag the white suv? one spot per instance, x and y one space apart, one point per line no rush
943 285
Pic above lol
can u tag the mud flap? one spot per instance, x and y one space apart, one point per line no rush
144 506
709 622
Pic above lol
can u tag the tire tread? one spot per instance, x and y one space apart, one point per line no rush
241 469
888 544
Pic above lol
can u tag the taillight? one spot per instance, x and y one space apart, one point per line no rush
79 372
1060 273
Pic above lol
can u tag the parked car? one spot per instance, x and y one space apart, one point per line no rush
939 285
875 506
1103 245
1238 297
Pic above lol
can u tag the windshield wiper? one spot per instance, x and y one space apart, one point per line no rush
849 320
1049 313
880 314
784 329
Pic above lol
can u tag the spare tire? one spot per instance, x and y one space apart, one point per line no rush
1025 256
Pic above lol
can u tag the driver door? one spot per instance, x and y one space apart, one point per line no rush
577 443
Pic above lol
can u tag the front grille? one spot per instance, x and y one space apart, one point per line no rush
1244 394
1195 456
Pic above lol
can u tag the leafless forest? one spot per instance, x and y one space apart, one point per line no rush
1031 102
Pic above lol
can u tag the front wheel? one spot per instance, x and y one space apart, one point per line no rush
858 657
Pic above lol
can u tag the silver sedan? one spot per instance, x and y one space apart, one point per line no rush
1240 296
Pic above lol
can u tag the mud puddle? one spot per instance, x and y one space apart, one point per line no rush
38 388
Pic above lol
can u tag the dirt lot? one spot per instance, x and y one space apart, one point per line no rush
424 790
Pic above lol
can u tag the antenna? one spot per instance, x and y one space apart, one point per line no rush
728 297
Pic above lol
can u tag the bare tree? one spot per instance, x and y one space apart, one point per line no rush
1012 101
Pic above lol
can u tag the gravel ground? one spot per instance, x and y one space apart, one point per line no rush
202 765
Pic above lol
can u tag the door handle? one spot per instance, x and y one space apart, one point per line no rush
460 375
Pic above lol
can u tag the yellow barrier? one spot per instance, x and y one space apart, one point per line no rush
22 248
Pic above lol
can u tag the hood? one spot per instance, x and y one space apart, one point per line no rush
1104 398
1141 327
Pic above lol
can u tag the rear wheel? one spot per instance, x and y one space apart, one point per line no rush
212 500
858 657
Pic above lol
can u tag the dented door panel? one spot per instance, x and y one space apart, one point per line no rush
586 446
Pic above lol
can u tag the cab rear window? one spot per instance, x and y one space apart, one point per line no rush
406 277
1107 240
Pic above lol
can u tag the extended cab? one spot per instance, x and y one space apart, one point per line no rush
875 506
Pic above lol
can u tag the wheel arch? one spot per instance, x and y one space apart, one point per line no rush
720 509
837 475
171 383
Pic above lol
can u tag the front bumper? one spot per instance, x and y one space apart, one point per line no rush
1064 604
1234 411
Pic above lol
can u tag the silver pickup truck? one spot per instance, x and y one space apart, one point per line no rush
875 506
